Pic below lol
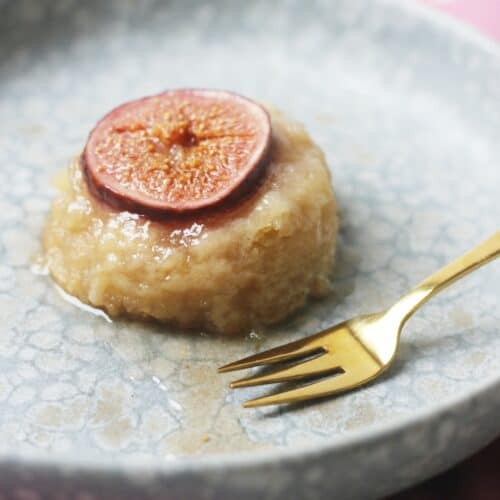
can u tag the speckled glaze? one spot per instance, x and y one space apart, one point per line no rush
406 107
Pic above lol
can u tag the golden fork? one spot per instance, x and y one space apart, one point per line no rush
357 351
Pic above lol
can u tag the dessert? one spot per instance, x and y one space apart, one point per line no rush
196 208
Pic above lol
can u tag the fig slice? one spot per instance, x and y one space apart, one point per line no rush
180 151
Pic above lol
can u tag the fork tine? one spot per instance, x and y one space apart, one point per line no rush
302 347
320 365
333 385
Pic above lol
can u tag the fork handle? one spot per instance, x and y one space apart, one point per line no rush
480 255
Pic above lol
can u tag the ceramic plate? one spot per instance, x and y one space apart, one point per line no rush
406 107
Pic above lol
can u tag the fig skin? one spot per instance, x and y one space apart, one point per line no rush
247 175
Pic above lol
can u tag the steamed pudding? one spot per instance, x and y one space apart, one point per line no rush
195 208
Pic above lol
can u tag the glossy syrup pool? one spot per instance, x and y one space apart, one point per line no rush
411 139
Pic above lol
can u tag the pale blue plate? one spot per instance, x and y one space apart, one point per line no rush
405 104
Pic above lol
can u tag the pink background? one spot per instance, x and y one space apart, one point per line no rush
483 14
